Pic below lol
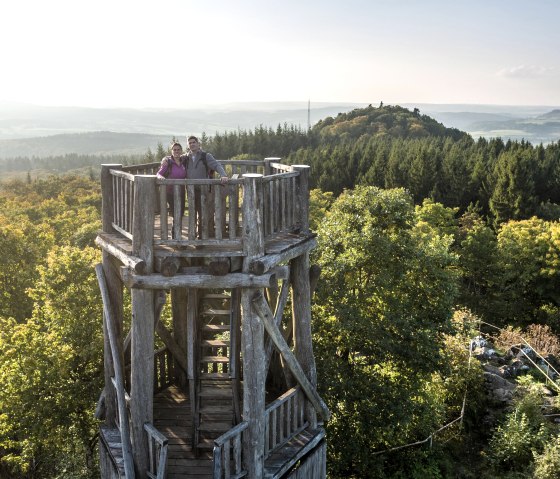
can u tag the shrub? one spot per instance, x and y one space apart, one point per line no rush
547 464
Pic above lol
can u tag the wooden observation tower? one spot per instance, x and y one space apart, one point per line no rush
226 388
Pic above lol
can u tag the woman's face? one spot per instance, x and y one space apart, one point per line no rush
176 151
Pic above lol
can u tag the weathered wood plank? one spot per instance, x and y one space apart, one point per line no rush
230 281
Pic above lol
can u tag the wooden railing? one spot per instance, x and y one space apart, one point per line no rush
164 369
280 203
284 419
227 453
123 202
217 221
282 200
157 447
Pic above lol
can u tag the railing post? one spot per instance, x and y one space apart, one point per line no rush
252 331
143 219
253 224
303 196
143 317
267 162
107 197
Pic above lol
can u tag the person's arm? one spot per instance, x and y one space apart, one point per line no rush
163 169
215 165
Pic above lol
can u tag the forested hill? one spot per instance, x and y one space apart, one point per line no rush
394 121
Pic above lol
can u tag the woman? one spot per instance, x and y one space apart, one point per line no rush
174 167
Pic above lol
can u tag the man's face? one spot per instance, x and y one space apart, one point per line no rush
194 146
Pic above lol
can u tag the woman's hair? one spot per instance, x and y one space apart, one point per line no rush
173 145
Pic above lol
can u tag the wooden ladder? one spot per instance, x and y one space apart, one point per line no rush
217 392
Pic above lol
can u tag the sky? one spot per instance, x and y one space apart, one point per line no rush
184 53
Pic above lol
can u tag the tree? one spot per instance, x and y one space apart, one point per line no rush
384 302
51 369
514 192
529 256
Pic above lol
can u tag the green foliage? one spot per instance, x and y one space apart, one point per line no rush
50 333
523 433
547 463
51 369
319 203
529 255
379 324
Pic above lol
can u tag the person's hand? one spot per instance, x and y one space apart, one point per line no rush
224 179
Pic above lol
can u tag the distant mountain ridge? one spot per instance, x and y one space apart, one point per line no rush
87 143
26 121
28 130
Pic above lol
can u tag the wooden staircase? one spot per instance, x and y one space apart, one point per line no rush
217 391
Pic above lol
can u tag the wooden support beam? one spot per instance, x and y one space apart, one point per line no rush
136 264
143 323
167 266
301 320
233 280
254 385
277 319
265 263
314 273
177 351
267 317
119 379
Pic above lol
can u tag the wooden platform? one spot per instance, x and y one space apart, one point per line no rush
278 244
172 417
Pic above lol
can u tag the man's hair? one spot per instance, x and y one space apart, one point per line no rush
192 137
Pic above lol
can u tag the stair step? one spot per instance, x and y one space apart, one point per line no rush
216 296
215 427
214 359
222 376
216 327
205 444
216 312
215 343
217 393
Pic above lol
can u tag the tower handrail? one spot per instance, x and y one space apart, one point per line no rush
223 464
283 205
158 444
284 419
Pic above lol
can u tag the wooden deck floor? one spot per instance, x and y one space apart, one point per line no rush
172 417
280 243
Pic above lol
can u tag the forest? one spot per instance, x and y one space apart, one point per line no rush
429 243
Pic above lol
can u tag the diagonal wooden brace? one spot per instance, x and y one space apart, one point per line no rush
267 317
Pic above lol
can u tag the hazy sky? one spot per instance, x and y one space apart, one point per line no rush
165 53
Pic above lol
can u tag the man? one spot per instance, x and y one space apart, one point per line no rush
199 164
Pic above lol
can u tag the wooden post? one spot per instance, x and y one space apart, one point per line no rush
254 374
142 346
179 307
301 317
117 355
303 196
253 227
115 292
267 162
190 336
